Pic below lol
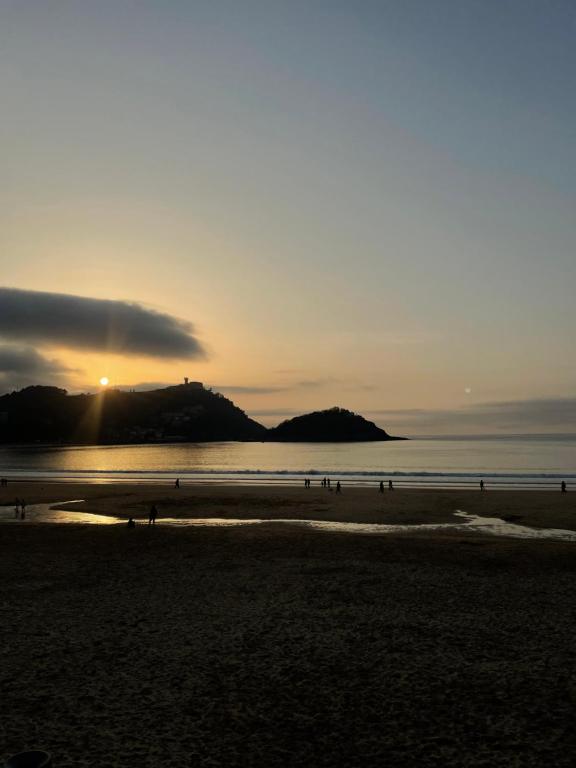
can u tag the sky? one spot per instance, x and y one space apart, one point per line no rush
300 204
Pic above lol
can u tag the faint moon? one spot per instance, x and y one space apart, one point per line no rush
467 390
104 381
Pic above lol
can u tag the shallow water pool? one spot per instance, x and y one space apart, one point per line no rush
467 523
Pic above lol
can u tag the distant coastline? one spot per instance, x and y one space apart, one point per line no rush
184 413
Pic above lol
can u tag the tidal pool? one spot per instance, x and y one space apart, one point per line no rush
495 526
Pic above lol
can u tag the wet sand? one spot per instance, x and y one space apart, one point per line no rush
539 509
267 646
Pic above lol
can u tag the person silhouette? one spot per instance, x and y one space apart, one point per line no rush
131 522
390 486
381 486
152 515
177 483
563 487
338 487
481 485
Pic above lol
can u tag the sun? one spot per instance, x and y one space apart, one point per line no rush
104 381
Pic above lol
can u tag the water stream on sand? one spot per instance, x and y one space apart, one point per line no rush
495 526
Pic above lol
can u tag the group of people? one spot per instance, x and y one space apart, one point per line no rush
325 483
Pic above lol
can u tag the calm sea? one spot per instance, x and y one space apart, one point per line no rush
527 461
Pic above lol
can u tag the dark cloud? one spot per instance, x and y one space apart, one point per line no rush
22 366
94 324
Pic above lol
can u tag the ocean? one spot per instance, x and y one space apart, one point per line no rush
504 462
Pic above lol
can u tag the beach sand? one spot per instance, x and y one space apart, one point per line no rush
539 509
267 646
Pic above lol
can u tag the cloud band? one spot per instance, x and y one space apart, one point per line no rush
101 325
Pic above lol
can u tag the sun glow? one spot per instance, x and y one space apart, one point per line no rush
104 381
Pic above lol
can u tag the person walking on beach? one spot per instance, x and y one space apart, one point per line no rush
338 487
153 514
390 486
381 486
131 522
22 509
177 483
17 509
563 487
481 485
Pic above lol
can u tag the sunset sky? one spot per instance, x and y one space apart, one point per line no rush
302 204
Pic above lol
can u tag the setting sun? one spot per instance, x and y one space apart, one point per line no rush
104 381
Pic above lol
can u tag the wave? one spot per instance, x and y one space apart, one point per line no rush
294 473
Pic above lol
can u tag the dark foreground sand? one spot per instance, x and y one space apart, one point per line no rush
266 646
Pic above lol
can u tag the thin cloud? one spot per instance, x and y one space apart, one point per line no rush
100 325
275 412
511 416
314 383
271 389
145 386
550 415
232 389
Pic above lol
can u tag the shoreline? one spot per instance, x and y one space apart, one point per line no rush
286 479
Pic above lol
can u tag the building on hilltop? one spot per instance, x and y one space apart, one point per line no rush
193 384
